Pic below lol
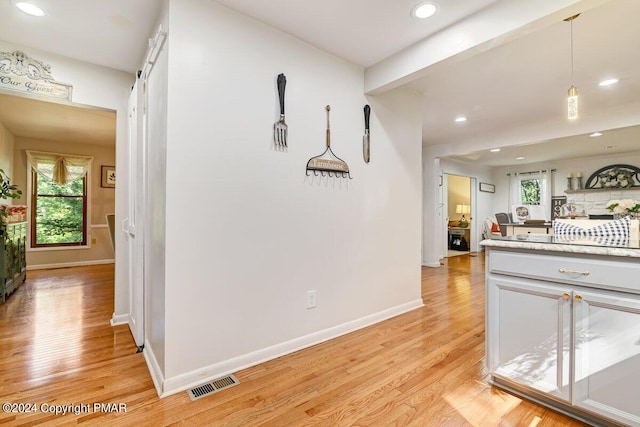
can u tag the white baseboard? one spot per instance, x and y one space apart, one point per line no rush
70 264
154 368
119 319
431 264
194 378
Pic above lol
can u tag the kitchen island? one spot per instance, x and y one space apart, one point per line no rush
563 324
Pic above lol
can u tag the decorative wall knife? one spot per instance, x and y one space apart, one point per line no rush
365 139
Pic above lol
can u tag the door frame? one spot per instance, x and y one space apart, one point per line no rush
444 206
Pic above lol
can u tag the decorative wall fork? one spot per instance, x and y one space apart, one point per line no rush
280 128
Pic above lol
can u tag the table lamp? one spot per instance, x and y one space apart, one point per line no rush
463 209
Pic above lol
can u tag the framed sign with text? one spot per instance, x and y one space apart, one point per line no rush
487 188
20 73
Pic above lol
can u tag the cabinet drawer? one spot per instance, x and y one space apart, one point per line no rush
617 274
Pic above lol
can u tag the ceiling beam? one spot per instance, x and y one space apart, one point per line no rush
499 23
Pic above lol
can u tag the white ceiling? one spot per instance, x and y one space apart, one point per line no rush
112 33
57 122
620 140
523 84
363 32
503 89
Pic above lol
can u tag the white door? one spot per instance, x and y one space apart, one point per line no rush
444 211
135 223
475 227
607 354
529 330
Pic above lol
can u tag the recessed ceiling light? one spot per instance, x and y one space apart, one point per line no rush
461 119
494 150
519 158
608 82
593 135
29 9
424 10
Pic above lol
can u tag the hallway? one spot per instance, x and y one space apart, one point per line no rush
422 368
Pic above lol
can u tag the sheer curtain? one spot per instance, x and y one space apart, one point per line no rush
546 192
541 211
514 190
59 168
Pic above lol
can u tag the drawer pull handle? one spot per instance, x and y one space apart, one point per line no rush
566 296
578 297
564 270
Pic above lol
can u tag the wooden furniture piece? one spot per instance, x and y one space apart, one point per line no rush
111 218
562 326
515 229
13 261
459 232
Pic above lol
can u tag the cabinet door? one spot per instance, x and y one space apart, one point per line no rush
529 332
607 358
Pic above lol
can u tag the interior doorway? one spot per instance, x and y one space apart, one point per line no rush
459 203
62 128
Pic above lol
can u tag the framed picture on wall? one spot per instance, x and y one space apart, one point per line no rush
487 188
108 177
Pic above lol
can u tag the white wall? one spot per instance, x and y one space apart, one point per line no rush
594 202
434 216
107 88
247 233
7 143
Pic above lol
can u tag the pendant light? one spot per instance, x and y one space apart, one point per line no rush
572 95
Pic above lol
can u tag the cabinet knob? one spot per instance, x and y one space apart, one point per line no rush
577 297
566 296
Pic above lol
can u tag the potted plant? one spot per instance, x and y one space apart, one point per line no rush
626 207
7 191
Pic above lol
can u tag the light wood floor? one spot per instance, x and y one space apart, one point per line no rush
423 368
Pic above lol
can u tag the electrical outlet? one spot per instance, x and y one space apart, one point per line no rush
94 241
311 299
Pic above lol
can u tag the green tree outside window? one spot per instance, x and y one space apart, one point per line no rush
530 191
59 212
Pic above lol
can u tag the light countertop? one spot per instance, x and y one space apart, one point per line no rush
581 245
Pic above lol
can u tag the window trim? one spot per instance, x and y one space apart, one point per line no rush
87 214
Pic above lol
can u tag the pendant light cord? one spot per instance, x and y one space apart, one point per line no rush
571 38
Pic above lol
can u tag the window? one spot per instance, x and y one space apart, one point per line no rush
58 212
530 195
58 195
530 191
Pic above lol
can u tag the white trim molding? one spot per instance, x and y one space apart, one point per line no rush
194 378
154 369
119 319
431 264
70 264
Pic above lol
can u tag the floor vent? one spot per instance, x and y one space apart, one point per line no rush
212 387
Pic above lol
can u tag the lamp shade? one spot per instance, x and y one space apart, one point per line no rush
463 209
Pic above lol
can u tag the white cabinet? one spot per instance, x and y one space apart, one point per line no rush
607 354
576 346
530 335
